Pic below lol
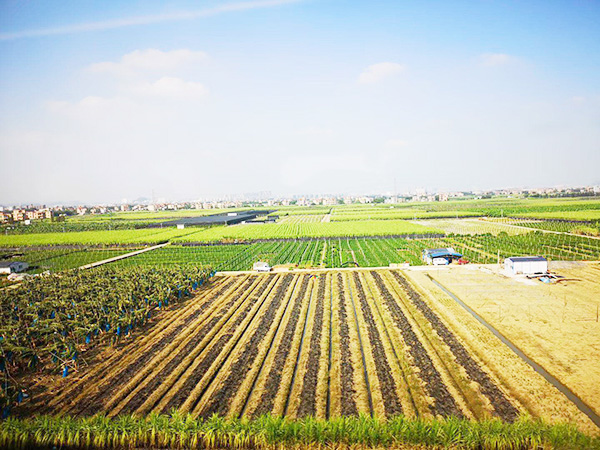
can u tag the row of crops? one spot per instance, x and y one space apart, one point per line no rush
589 228
295 345
55 259
371 252
49 321
104 237
249 232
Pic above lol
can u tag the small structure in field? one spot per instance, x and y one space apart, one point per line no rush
440 256
9 267
527 265
261 266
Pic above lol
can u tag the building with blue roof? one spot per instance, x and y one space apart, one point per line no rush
440 256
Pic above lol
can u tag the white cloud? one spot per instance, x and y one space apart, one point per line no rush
380 71
171 87
495 59
149 60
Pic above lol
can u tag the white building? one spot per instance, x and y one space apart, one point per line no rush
261 266
9 267
526 265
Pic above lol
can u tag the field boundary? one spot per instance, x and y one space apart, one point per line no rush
578 402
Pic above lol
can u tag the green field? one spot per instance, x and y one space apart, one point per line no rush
142 236
57 259
307 230
370 252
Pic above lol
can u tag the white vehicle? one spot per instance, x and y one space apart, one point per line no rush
261 266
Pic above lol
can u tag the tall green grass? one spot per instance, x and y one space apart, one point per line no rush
184 431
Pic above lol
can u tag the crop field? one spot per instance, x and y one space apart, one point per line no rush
391 214
302 218
369 252
62 258
140 236
295 345
556 325
589 228
307 230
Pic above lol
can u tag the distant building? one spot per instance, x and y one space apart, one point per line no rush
8 267
18 215
440 256
261 266
527 265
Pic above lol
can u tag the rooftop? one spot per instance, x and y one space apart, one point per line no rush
526 258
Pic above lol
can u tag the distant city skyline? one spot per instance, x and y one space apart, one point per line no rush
254 198
105 100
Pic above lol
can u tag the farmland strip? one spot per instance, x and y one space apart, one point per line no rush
443 402
329 351
221 400
502 406
74 389
142 395
401 367
297 364
201 369
391 402
113 382
273 382
348 401
362 352
308 394
293 300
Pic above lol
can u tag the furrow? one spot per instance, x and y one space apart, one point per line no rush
307 405
503 408
220 402
209 358
192 345
348 397
443 402
391 401
273 381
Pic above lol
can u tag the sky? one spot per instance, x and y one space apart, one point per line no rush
102 102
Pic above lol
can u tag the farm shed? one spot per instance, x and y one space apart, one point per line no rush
9 267
261 266
440 256
214 219
526 264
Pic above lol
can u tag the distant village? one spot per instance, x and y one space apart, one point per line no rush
26 213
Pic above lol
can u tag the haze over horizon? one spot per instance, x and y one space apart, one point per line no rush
101 101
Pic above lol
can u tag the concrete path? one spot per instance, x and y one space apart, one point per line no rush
581 405
126 255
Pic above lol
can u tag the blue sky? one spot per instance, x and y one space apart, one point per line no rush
101 101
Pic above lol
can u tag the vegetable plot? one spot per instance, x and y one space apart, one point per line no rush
48 322
295 345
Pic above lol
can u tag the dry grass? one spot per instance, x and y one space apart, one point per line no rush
553 324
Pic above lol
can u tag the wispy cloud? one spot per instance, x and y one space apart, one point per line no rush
171 87
143 20
149 60
379 71
495 59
